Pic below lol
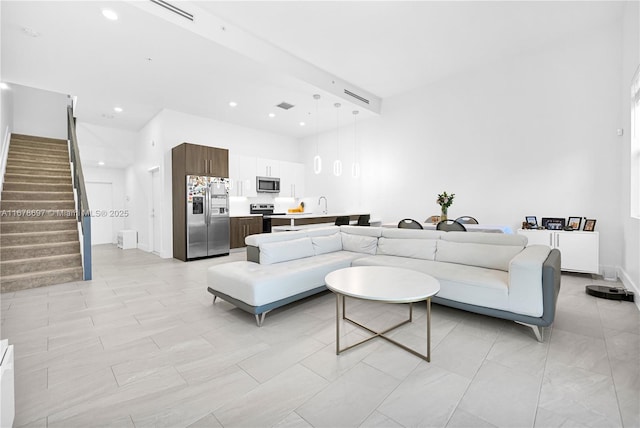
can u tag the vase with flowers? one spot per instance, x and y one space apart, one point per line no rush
445 201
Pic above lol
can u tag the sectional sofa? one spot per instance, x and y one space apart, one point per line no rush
486 273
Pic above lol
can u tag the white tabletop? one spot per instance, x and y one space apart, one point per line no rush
383 283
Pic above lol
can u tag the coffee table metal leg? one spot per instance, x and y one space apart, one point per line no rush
344 307
338 321
340 301
428 329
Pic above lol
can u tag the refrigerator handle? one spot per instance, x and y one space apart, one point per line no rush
206 205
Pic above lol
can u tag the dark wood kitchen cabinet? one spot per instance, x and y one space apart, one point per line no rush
202 160
241 227
191 159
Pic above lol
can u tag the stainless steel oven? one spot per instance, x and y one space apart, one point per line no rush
267 211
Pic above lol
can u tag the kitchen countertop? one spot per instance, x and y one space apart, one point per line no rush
245 215
295 216
298 219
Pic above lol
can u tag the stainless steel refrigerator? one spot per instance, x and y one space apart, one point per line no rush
207 216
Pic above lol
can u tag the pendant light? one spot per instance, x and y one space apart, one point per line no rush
355 167
337 164
317 160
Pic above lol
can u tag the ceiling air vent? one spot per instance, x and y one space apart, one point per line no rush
173 9
285 106
356 96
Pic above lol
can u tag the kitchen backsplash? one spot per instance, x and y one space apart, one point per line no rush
240 205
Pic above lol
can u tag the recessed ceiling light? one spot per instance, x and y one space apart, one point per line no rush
117 109
109 14
101 163
302 124
233 104
272 115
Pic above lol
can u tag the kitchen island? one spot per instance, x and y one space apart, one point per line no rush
301 219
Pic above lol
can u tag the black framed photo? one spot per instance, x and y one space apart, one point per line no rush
553 223
574 223
532 221
589 225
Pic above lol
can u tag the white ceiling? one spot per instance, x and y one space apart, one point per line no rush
383 47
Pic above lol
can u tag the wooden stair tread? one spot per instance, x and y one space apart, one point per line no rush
40 259
42 273
38 177
48 244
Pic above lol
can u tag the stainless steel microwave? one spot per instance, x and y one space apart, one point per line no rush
268 184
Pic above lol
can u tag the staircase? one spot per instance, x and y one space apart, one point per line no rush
39 242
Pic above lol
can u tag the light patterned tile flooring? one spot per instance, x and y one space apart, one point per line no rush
142 345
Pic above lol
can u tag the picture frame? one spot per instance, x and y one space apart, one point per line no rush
574 223
532 221
589 225
553 223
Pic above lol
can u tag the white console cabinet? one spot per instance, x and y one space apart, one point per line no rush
579 250
127 239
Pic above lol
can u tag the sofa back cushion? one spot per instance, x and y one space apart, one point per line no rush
322 231
392 232
264 238
363 231
486 238
359 243
491 256
407 247
326 244
276 252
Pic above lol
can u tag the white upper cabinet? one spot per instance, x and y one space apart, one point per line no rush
244 169
291 179
268 168
242 173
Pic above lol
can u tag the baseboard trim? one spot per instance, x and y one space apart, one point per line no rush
630 285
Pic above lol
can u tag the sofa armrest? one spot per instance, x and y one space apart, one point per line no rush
253 254
551 274
525 280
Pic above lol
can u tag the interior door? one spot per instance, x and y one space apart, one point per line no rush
100 197
155 212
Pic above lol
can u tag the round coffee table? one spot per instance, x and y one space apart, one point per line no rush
382 284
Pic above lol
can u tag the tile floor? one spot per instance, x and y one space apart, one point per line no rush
142 345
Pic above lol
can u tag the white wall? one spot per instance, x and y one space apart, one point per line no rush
38 112
630 269
6 125
114 147
169 129
115 177
534 134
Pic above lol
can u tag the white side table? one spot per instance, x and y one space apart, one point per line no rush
127 239
382 284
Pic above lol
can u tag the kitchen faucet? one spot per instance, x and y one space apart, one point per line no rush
325 203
